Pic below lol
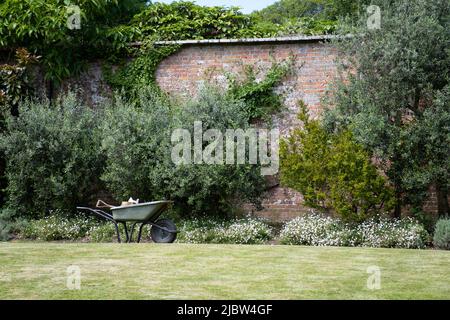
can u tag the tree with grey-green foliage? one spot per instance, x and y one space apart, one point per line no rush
393 93
138 146
52 157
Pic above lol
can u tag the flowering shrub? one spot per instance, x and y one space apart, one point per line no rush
245 231
58 227
387 233
320 230
313 229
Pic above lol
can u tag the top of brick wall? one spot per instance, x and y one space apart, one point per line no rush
245 40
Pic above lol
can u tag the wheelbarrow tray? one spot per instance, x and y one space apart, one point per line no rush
140 212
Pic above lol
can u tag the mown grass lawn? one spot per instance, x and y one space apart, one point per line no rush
182 271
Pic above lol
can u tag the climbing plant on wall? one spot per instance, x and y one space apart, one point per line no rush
132 75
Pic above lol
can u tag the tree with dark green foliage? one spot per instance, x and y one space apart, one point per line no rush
394 95
332 171
284 10
309 17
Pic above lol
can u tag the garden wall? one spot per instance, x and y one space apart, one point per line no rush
201 61
198 62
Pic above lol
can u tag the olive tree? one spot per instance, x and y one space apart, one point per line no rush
393 93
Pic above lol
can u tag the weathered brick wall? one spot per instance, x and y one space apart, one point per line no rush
183 73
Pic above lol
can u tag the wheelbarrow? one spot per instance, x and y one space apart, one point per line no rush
162 230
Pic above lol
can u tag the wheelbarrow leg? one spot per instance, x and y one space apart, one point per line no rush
126 231
118 232
140 231
131 232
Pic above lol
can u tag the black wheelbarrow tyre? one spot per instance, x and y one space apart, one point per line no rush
161 236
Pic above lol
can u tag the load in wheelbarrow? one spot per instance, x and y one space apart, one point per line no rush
147 213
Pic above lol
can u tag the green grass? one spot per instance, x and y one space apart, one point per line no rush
181 271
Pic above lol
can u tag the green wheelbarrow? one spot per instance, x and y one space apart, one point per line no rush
162 230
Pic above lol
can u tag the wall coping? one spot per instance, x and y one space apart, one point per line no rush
244 40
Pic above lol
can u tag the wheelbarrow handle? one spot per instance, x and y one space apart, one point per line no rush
103 204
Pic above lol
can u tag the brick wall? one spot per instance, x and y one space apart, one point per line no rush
183 73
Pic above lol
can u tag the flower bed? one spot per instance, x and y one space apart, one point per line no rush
320 230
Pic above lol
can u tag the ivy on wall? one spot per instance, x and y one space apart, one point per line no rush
132 75
259 95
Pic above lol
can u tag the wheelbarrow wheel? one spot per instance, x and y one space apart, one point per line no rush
162 236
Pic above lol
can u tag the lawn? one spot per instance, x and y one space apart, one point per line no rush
182 271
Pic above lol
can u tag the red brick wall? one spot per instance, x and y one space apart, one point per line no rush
183 73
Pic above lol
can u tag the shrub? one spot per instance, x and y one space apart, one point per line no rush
53 156
245 231
7 224
332 170
105 232
58 226
137 142
320 230
392 233
313 229
441 237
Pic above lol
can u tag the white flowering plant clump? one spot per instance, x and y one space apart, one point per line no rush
243 231
314 229
392 233
319 230
104 232
58 227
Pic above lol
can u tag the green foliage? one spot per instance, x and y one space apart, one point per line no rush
393 95
441 237
244 231
332 170
185 20
7 224
14 87
284 10
140 72
307 26
41 27
105 232
259 96
53 156
308 17
340 9
137 143
15 82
